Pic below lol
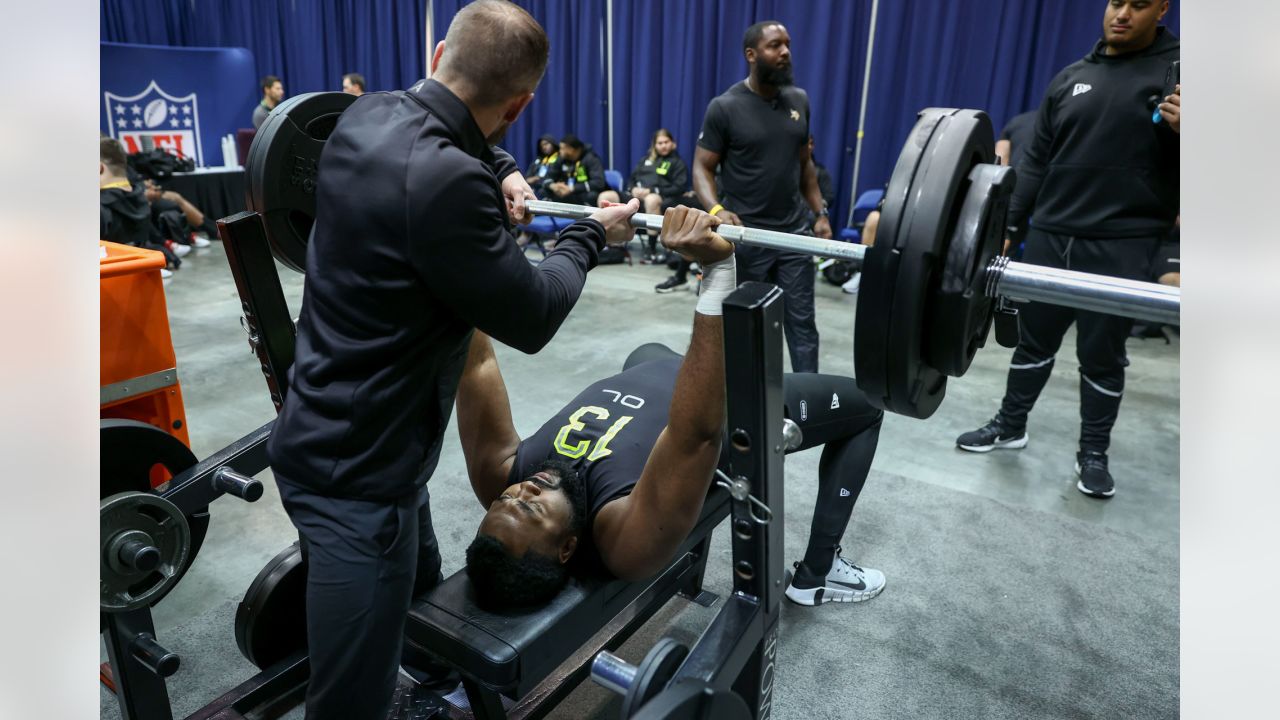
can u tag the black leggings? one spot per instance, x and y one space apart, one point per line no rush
831 411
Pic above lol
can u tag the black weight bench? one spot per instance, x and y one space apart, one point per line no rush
535 657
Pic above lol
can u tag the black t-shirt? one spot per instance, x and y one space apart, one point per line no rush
1019 131
606 432
759 142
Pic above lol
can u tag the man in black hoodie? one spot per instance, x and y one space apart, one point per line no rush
1102 176
581 173
124 215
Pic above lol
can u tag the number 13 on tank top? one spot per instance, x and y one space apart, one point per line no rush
576 425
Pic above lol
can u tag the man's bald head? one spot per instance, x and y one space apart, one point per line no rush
494 51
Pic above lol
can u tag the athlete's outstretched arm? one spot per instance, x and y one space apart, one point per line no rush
638 534
489 437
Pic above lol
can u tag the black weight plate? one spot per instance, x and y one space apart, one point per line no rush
880 266
653 674
128 451
960 311
962 140
271 621
280 171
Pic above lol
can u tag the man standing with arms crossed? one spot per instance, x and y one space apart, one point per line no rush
757 133
1102 176
412 249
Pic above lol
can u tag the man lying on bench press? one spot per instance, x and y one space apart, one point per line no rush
622 470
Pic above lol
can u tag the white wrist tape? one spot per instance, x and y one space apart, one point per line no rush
718 280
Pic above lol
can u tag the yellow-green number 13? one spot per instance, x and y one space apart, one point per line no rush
580 448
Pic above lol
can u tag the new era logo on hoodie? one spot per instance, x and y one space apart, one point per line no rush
1080 89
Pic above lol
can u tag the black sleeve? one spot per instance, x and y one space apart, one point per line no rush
1031 170
715 129
634 178
472 265
104 223
676 181
595 174
503 163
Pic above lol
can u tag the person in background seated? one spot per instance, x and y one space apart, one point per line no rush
169 209
272 94
124 216
619 475
659 181
546 168
867 236
581 174
353 84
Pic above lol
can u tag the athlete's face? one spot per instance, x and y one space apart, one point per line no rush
535 514
1129 25
545 148
772 56
664 145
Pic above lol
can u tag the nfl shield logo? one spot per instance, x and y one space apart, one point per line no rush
155 119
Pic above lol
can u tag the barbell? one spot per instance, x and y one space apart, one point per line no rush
932 285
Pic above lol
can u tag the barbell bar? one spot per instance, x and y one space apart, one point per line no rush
1015 281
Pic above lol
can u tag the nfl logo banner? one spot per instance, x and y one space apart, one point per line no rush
184 100
155 119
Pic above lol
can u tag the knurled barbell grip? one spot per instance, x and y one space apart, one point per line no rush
233 483
851 252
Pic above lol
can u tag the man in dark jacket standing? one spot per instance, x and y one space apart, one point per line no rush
1102 176
412 249
581 177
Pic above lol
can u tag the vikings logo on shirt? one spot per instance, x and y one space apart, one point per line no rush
155 119
795 115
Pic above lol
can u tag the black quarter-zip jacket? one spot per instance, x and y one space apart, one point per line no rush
412 248
1098 166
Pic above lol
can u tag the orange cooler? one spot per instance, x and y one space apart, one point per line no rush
139 375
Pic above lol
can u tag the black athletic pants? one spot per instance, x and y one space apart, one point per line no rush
1100 338
833 413
365 561
794 273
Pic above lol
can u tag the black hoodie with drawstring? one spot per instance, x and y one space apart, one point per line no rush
1098 166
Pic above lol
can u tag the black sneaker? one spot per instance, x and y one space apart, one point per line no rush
992 436
671 283
1095 479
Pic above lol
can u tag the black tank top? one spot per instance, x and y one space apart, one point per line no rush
606 432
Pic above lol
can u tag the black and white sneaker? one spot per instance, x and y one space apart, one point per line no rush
992 436
671 283
845 582
1095 479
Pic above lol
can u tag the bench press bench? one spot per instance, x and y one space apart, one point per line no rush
534 657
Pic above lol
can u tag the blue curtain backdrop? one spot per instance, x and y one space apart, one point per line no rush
572 96
308 44
671 57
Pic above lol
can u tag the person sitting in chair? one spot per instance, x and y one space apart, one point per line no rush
621 472
659 181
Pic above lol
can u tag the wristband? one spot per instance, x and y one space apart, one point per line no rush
718 280
716 209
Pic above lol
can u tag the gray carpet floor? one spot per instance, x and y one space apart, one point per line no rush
991 611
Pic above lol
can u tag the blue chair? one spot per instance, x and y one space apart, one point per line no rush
867 202
543 227
613 179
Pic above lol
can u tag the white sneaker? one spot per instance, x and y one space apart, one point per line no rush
165 273
200 241
845 582
851 286
177 248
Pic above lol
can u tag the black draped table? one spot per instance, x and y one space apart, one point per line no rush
217 192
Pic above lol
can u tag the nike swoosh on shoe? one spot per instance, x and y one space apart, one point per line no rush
859 586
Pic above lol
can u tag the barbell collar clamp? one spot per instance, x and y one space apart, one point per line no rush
233 483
